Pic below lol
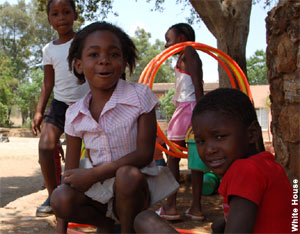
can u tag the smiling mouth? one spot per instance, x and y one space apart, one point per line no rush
104 74
216 163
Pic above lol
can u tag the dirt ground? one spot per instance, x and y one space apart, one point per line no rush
21 191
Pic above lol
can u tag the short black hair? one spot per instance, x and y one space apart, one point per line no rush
229 102
184 29
72 3
128 48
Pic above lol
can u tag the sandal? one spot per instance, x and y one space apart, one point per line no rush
194 217
161 212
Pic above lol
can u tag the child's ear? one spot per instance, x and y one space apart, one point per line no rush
78 66
254 132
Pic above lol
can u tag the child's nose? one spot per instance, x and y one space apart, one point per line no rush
210 148
103 59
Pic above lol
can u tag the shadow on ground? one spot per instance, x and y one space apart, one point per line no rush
19 186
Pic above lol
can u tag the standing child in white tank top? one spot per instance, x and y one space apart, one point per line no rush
57 78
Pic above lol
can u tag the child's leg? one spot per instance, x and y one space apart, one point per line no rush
70 205
197 182
218 225
149 222
170 204
131 196
173 164
47 147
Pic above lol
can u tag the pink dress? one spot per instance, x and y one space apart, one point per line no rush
185 100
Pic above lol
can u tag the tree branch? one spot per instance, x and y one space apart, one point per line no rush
211 12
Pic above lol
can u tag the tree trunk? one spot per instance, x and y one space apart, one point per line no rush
228 21
283 62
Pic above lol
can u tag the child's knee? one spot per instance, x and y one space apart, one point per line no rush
62 201
46 144
129 179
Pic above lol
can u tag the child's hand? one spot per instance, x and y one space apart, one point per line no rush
36 123
79 179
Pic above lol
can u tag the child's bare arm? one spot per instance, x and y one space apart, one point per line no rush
46 91
78 178
72 152
193 66
242 215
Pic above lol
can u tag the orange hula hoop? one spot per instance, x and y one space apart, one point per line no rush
230 66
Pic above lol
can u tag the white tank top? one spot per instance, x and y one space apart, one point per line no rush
184 88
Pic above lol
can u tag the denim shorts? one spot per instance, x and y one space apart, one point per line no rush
56 114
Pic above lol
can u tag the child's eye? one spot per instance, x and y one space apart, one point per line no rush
93 54
220 137
115 55
67 12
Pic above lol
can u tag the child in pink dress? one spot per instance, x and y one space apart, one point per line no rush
116 120
188 90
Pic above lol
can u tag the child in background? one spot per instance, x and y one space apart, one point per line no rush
116 120
257 193
158 154
57 77
188 90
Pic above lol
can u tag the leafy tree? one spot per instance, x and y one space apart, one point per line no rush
7 85
257 68
28 94
146 52
166 105
14 35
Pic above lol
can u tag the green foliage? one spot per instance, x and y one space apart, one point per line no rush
166 105
257 68
146 53
7 86
15 43
28 94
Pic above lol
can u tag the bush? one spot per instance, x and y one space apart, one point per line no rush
166 105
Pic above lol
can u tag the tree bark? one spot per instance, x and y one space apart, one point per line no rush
283 62
228 21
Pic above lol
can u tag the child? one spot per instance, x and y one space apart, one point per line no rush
57 77
188 90
116 120
257 193
158 154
